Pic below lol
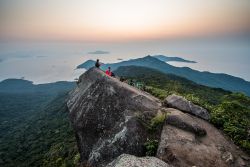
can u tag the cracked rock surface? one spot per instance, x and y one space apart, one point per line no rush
103 114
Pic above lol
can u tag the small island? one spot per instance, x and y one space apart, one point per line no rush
178 59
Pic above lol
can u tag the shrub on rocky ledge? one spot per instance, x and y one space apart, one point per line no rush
151 147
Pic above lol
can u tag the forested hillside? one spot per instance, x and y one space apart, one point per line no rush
34 128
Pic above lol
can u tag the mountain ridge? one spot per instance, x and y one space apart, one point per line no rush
217 80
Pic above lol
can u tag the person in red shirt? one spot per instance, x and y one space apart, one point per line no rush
108 71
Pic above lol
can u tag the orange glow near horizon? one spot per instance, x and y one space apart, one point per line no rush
121 20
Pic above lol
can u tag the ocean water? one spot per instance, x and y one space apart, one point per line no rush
43 62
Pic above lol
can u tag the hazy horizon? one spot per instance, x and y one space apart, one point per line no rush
56 61
44 41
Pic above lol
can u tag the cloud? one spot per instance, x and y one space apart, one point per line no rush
99 52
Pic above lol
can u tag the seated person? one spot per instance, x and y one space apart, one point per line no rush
112 74
97 63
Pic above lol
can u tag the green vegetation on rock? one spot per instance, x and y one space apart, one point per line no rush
151 147
157 121
229 111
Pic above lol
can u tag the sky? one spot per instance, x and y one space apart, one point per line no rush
120 20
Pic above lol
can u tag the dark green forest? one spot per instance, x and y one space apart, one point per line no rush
35 129
34 125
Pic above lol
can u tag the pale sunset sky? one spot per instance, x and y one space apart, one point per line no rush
114 20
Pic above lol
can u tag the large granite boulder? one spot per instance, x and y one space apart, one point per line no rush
111 118
184 105
103 112
189 141
126 160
